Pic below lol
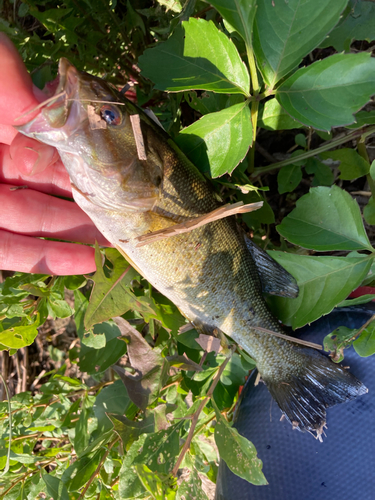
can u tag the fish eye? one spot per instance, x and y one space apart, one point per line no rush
111 114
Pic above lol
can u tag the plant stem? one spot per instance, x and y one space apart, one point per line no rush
326 146
361 146
6 468
363 327
195 418
29 473
97 470
254 104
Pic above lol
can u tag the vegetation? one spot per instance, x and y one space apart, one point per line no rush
272 100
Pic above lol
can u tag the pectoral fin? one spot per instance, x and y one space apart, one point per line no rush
275 279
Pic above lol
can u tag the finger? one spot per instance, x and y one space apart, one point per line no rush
7 134
16 87
32 255
30 156
32 213
54 180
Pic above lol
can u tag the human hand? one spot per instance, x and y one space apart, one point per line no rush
32 213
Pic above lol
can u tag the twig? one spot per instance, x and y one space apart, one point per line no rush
97 470
195 418
362 193
24 367
190 224
39 436
4 373
42 104
289 338
19 373
29 473
362 151
326 146
265 153
363 327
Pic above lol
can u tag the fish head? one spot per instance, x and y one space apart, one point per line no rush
91 124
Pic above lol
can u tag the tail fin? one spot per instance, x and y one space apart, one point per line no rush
317 384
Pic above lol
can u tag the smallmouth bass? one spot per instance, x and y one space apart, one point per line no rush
132 184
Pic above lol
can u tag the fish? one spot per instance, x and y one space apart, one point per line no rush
131 179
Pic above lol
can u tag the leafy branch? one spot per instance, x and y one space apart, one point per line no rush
195 417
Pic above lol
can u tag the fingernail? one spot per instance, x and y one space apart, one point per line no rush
45 156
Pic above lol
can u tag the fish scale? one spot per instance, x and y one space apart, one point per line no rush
211 273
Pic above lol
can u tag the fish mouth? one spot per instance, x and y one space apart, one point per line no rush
58 110
61 114
68 79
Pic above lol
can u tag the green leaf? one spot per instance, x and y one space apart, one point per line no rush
240 14
111 399
352 165
159 450
74 282
218 141
59 308
323 175
328 93
13 284
130 430
363 299
323 283
183 363
112 296
300 140
337 341
365 343
39 289
19 336
77 474
363 118
358 25
369 211
23 9
173 5
19 458
273 117
234 373
92 359
237 452
288 178
209 102
196 56
191 487
326 219
130 485
264 215
154 484
372 170
81 438
55 487
285 32
94 339
188 339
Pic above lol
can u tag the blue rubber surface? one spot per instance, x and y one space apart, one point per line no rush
297 466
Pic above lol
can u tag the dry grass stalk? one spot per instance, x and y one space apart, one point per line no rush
190 224
138 136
